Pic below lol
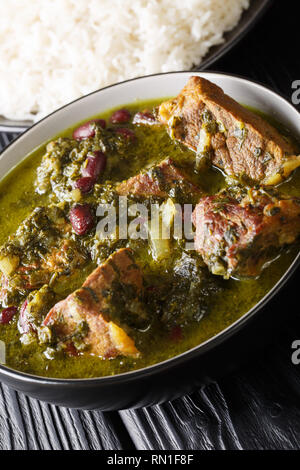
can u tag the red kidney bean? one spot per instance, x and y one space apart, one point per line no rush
152 290
144 118
85 184
71 350
176 334
7 314
94 165
121 115
81 218
87 129
128 134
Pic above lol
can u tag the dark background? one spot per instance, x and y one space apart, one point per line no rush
258 406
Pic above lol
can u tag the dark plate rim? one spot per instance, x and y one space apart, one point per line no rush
197 350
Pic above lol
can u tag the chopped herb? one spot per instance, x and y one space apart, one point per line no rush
267 157
273 211
257 152
240 132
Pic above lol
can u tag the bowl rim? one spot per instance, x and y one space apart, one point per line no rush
201 348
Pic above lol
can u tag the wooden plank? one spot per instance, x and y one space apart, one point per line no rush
27 423
256 408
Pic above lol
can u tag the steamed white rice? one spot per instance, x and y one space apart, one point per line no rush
53 51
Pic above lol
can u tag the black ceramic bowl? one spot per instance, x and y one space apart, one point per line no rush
220 354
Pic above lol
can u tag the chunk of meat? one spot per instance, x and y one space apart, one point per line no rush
162 180
99 312
230 136
237 236
41 249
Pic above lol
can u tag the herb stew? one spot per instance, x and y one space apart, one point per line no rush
176 298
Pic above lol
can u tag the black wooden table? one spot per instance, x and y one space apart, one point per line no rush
258 406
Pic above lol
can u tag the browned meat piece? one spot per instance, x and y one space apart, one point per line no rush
238 235
162 181
222 131
93 317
